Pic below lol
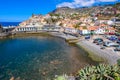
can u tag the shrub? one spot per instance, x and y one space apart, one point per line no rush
100 72
60 78
118 62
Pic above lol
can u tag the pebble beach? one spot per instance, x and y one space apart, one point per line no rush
94 51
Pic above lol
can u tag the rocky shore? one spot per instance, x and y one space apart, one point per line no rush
63 35
98 54
94 51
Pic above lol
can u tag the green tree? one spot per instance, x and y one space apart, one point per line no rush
117 15
61 24
76 26
84 27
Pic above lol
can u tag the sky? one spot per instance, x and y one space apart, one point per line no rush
20 10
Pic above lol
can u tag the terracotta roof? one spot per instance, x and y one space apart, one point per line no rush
81 28
103 25
93 28
111 28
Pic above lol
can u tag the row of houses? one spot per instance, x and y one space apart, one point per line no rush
102 29
97 27
91 30
86 25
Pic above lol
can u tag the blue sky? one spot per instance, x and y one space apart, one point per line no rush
19 10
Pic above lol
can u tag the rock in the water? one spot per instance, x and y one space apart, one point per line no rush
55 62
43 73
18 78
12 78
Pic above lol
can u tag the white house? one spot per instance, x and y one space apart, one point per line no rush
83 31
100 31
71 30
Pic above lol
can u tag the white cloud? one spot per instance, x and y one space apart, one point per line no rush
108 0
81 3
66 4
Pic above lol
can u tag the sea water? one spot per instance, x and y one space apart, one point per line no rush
39 58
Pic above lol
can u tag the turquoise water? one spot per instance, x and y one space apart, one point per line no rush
9 23
39 58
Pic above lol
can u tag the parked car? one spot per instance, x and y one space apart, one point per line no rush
118 41
106 43
117 48
87 37
111 33
108 36
98 40
99 43
110 44
113 38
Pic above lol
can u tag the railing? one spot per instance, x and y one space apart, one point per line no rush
8 27
20 29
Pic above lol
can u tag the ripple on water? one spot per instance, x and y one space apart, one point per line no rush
39 58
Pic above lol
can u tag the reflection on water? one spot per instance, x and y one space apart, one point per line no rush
39 58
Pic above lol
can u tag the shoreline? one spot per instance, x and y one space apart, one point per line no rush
96 53
93 51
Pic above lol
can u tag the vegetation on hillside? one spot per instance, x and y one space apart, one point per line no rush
102 12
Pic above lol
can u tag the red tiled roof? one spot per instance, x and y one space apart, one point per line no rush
93 28
103 25
81 28
111 28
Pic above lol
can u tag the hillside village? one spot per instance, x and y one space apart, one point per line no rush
97 20
85 27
